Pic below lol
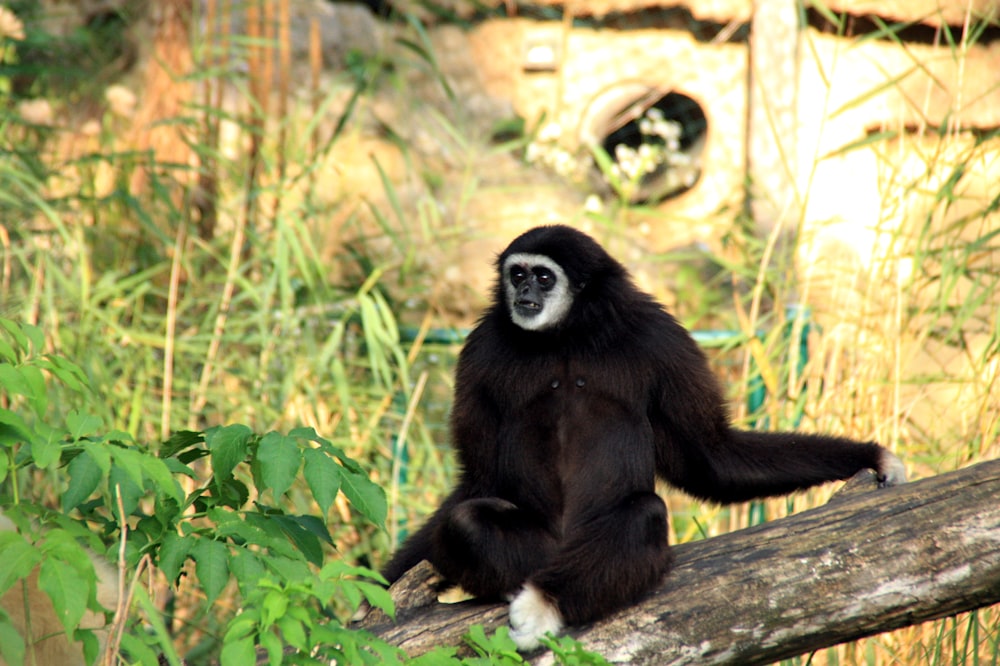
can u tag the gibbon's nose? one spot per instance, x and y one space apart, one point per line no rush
528 295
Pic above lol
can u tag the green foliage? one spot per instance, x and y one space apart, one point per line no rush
64 63
276 618
229 525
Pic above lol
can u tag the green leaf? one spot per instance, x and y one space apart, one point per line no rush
122 484
323 476
138 651
345 460
62 544
238 652
243 625
365 496
99 452
175 466
293 632
315 526
13 429
174 552
46 445
12 382
158 472
36 336
378 597
82 425
274 606
274 647
66 371
248 570
229 492
90 645
351 593
11 643
129 462
182 440
7 352
15 331
307 433
67 589
38 395
304 539
18 556
228 446
211 565
273 536
84 476
279 458
231 525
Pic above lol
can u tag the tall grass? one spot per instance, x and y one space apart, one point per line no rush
199 295
905 345
206 297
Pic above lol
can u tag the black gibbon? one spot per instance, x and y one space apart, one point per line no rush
25 603
574 391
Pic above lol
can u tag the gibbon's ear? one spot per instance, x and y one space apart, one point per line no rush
48 643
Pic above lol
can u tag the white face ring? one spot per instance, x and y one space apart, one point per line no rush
557 301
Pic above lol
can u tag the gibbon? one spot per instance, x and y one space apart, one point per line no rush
574 392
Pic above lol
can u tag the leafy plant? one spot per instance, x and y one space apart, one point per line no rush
228 522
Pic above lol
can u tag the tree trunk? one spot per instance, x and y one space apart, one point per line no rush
866 563
772 115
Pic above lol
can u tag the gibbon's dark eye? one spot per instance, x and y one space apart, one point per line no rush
546 279
517 275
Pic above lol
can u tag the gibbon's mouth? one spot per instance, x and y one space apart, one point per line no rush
525 304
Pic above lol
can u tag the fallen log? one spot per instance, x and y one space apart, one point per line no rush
865 563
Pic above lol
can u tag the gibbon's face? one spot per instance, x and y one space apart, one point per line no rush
537 291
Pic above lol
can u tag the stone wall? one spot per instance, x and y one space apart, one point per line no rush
848 90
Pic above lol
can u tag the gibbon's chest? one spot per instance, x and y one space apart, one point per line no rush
572 421
570 404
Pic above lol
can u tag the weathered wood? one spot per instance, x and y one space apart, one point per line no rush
866 563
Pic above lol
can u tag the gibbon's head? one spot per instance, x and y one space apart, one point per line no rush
544 271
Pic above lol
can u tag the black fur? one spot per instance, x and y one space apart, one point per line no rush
560 434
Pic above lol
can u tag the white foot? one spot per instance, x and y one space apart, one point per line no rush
892 472
531 617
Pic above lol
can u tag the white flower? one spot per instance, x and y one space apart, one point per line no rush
10 25
36 111
90 128
121 100
549 132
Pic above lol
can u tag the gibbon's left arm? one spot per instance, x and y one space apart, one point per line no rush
699 451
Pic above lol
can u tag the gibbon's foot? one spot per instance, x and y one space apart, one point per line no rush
891 471
532 616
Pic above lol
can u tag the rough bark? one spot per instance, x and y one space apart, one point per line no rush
865 563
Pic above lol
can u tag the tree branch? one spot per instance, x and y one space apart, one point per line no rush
866 563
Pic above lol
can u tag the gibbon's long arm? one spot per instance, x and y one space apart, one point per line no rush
699 452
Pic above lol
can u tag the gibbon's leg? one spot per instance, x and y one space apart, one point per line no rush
610 559
411 552
489 546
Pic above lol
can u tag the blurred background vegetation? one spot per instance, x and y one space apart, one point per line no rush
172 218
